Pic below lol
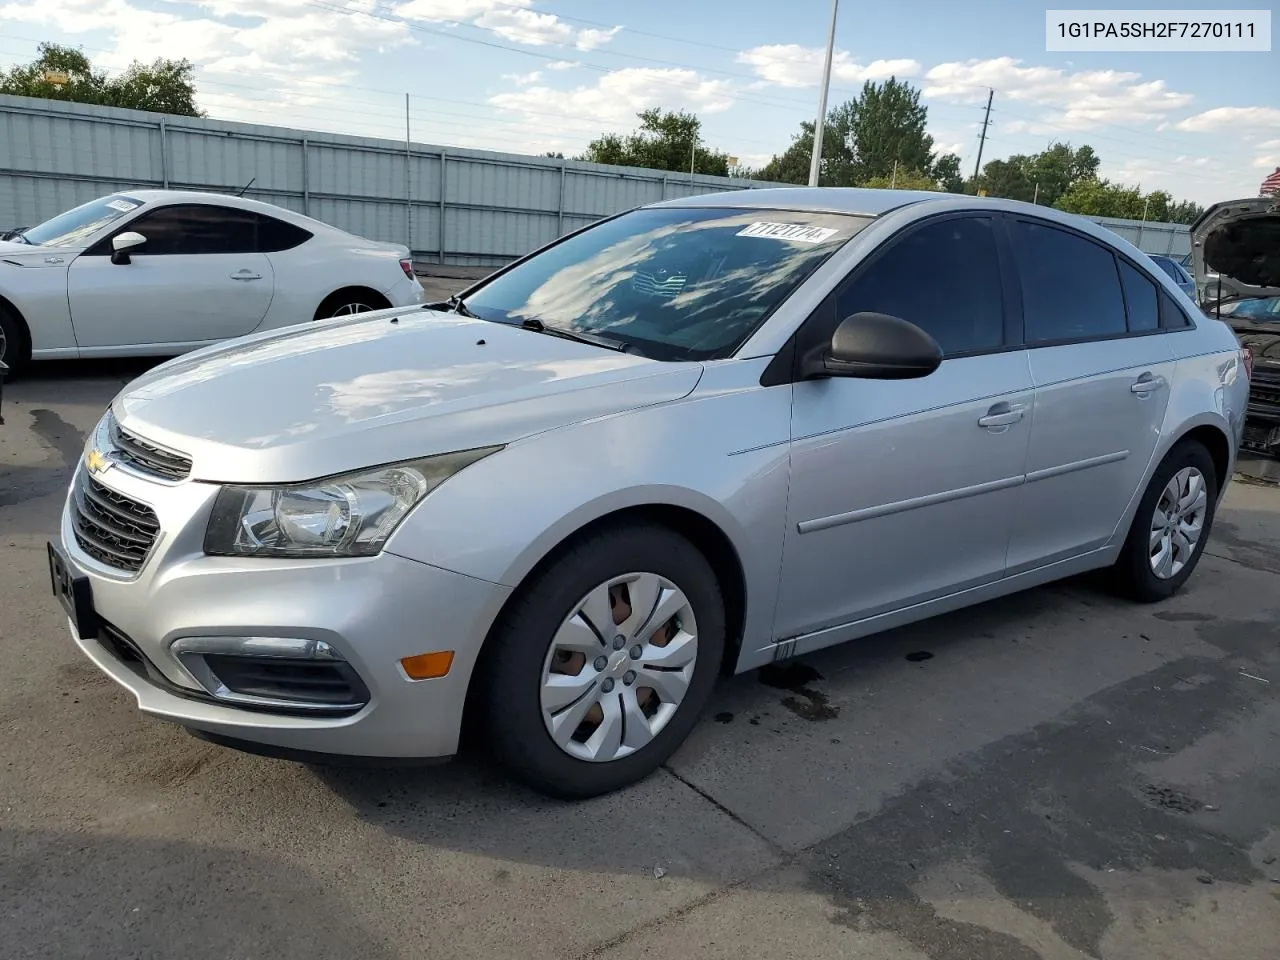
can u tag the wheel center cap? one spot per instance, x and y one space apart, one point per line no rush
618 663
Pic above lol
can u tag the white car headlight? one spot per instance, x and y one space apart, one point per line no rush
351 515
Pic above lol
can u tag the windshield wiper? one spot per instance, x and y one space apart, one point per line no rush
537 326
454 303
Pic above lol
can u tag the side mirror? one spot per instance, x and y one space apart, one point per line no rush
876 346
122 244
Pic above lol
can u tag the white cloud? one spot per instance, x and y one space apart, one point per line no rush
563 64
591 38
284 41
791 65
1083 99
1223 118
513 20
613 101
523 79
527 27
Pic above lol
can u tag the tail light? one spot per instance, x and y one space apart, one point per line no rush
407 267
1246 358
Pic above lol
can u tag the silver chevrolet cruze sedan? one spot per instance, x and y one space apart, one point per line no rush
694 438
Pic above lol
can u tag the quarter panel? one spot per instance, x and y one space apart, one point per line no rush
722 452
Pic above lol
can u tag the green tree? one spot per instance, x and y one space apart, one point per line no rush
1040 177
666 140
887 123
165 86
1102 198
946 170
904 180
862 140
1185 211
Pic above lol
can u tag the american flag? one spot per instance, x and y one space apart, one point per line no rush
1271 185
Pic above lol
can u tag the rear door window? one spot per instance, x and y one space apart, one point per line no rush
1070 285
1140 298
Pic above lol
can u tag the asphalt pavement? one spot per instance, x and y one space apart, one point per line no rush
1053 775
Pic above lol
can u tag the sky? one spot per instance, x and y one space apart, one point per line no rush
529 76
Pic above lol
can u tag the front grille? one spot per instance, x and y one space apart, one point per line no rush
304 682
113 529
149 458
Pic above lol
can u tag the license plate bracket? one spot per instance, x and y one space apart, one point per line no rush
74 592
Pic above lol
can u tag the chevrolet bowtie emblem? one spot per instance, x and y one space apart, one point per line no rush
96 461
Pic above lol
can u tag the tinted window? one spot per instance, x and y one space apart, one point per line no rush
674 283
1172 316
943 277
276 235
198 229
1070 287
1140 296
1169 267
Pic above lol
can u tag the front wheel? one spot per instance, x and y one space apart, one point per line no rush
600 667
1171 525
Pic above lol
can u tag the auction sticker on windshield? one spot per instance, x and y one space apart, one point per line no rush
788 231
124 206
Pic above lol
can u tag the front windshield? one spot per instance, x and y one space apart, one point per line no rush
674 283
73 228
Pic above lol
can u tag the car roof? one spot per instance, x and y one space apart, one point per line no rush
863 201
228 200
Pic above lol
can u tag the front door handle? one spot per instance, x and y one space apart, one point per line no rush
1002 415
1145 384
246 275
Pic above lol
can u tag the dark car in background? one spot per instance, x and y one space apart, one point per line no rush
1176 273
1236 248
12 234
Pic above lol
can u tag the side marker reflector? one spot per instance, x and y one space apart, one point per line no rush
427 666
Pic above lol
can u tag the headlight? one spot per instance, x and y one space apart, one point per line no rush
345 516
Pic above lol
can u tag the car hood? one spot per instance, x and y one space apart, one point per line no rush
1240 241
328 397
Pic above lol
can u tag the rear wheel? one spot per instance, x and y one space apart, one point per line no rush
345 303
1171 525
601 665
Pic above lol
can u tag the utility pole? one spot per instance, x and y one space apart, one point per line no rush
893 184
408 180
1036 197
693 152
815 162
982 141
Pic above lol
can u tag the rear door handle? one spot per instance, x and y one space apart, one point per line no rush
246 275
1002 414
1146 384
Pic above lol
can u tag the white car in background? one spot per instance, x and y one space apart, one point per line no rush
161 272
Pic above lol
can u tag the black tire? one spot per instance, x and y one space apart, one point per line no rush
510 708
335 302
15 349
1132 575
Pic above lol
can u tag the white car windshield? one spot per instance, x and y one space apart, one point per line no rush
673 283
73 228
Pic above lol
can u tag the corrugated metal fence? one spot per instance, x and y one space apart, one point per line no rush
450 205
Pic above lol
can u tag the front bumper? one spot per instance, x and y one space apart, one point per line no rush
1262 424
374 611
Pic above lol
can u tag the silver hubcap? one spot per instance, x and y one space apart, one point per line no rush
1178 522
349 308
618 667
4 344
